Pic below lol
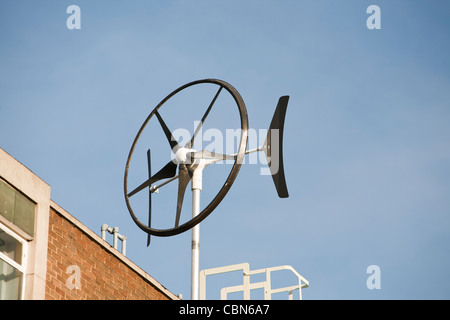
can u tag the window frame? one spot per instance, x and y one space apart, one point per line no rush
22 267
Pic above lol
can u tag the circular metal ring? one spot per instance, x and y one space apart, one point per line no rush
230 179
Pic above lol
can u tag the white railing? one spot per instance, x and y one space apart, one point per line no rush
116 236
247 286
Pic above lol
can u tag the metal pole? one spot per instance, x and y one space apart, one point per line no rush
195 259
195 253
115 234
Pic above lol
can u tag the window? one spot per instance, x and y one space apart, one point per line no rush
17 208
12 265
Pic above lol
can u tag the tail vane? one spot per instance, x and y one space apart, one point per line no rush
273 147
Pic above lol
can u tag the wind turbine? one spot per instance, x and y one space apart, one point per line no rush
188 165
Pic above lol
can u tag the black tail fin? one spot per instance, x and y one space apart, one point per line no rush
273 147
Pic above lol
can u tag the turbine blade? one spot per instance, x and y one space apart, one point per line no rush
172 141
149 195
191 142
169 171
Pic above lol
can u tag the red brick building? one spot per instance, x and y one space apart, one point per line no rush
45 253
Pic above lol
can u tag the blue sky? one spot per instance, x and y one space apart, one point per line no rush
367 138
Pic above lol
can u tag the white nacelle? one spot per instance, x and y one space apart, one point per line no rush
181 155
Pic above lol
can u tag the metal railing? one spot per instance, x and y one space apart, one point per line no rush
247 286
116 236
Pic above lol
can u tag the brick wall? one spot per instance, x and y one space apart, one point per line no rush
101 273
